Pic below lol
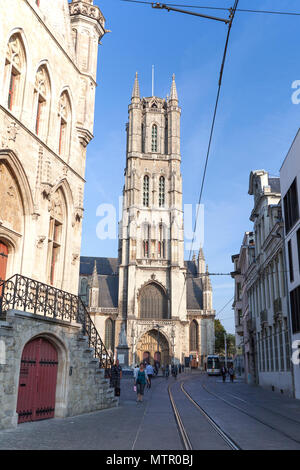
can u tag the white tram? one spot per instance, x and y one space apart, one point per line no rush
213 366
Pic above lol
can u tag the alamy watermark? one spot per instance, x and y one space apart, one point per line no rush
181 222
296 352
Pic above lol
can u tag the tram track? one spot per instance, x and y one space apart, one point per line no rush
261 421
182 429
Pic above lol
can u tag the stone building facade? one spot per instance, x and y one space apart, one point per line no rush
48 80
149 303
48 62
290 189
265 289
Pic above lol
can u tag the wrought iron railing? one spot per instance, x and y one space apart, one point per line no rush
28 295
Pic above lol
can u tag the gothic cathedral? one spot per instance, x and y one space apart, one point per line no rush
149 303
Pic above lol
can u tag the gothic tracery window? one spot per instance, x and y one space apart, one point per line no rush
64 113
161 191
194 343
154 138
146 191
15 66
42 101
153 302
161 242
56 237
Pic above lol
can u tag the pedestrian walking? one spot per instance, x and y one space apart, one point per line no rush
167 373
163 369
140 380
174 370
223 373
149 370
115 377
179 368
231 373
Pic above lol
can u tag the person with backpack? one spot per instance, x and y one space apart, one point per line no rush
140 380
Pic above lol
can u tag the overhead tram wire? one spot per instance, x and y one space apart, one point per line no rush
232 14
204 7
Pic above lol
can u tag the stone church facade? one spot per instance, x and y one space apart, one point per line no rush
149 302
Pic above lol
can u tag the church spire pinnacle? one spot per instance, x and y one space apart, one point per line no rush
95 282
173 95
136 87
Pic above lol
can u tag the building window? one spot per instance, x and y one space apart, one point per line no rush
146 191
153 302
239 318
146 242
161 242
41 101
154 138
298 245
291 208
143 138
166 136
14 72
64 114
238 291
290 254
295 309
161 191
56 238
194 333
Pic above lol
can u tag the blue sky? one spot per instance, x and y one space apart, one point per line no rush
255 125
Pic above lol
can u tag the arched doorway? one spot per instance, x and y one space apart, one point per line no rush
37 383
3 260
153 347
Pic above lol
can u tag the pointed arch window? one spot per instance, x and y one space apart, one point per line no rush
146 241
15 65
153 302
194 331
154 138
146 191
161 191
161 241
42 101
56 238
64 114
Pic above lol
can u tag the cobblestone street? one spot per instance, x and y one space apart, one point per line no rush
254 418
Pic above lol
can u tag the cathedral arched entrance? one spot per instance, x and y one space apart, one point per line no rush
153 346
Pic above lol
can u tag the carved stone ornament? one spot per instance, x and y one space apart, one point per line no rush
75 257
40 241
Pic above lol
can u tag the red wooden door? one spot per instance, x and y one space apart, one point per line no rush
37 384
3 260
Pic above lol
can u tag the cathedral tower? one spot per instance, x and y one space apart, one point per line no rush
152 271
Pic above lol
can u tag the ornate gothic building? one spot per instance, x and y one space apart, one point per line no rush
48 79
149 301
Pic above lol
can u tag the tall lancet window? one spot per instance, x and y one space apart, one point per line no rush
161 242
154 138
41 101
161 191
146 241
15 66
146 191
64 113
194 332
143 138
